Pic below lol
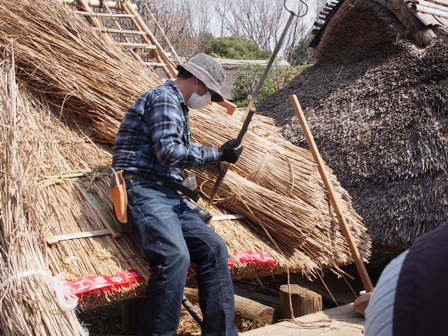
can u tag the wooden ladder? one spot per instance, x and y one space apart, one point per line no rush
119 23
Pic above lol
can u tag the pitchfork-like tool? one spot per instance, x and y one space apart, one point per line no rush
250 109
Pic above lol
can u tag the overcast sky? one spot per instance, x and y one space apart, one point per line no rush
293 5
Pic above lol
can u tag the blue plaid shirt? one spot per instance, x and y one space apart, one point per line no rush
153 139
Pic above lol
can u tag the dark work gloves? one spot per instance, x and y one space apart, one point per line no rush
228 152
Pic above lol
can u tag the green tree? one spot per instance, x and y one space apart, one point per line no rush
301 55
247 79
235 47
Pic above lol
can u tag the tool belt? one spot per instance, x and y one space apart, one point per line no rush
169 184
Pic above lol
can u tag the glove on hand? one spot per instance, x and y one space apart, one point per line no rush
228 152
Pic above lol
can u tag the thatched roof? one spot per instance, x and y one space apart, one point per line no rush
71 90
377 104
423 20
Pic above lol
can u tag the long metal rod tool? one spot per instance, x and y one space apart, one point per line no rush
193 312
334 201
250 109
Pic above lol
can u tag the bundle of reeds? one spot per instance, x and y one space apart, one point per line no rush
59 55
281 176
28 289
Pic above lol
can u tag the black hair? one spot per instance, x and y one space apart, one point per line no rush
182 73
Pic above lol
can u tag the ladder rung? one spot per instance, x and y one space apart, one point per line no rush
136 45
120 31
117 16
155 64
99 3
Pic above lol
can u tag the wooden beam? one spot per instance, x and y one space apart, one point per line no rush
259 314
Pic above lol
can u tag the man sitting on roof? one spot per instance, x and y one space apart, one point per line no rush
153 148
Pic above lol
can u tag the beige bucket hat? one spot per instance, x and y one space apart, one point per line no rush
208 71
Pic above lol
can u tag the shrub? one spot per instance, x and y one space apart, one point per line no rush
235 47
247 79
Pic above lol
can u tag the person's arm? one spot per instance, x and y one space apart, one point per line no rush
166 122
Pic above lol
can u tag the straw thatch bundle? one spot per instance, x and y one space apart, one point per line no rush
277 186
61 56
32 301
79 90
378 109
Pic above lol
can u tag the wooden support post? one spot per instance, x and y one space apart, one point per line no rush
130 311
302 300
331 193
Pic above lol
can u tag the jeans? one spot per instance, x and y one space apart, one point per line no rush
172 235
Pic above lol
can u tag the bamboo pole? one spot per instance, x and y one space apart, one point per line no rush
334 201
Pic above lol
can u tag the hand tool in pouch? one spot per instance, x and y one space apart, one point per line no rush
117 192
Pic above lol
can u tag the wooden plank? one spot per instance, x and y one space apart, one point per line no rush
339 321
52 239
226 217
440 2
265 299
433 5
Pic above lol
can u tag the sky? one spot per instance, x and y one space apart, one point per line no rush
293 5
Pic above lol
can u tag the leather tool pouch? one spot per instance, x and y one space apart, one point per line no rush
117 192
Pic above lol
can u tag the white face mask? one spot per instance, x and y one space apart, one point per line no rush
198 102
